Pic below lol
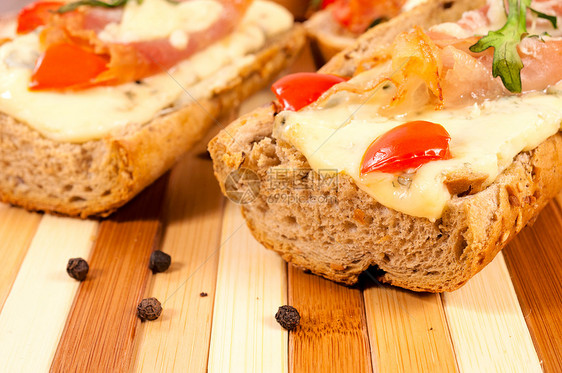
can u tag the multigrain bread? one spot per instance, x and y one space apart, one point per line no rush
328 38
96 177
338 231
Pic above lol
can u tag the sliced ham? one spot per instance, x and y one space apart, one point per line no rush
453 75
135 60
358 15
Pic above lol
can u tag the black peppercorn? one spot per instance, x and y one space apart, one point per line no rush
77 268
203 294
288 317
159 261
149 309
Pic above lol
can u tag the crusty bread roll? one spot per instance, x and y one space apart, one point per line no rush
98 176
350 231
328 37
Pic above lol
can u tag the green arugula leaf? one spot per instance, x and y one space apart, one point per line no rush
377 21
315 4
507 63
552 19
74 5
99 3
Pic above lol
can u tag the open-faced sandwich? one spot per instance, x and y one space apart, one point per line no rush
98 99
423 160
336 24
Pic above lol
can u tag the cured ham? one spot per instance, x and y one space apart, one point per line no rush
358 15
79 31
436 68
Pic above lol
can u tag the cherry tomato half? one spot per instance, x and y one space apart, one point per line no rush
325 3
35 15
358 15
407 146
298 90
66 66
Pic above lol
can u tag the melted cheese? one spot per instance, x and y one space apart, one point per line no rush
164 18
494 19
484 139
411 4
92 114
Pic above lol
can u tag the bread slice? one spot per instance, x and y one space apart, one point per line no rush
338 231
96 177
328 37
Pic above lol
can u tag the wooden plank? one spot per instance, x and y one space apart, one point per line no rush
251 285
179 341
35 312
534 260
408 331
17 228
100 330
487 326
332 336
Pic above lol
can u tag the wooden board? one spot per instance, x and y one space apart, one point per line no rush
487 326
508 318
17 230
41 298
408 331
251 285
534 261
193 210
332 324
100 330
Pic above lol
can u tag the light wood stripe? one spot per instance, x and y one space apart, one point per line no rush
487 326
17 228
36 310
100 330
408 331
251 285
179 341
534 260
332 336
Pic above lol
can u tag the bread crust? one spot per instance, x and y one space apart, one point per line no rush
97 177
351 232
329 239
329 38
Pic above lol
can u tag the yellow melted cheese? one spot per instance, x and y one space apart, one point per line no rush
165 19
484 139
94 113
411 4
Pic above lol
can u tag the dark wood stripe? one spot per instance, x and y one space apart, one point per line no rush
534 260
332 335
100 329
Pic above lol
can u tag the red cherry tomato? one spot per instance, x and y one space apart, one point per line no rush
358 15
407 146
66 66
325 3
298 90
35 15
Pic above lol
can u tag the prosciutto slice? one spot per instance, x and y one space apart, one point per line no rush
136 60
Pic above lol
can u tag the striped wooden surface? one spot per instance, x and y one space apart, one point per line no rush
223 289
